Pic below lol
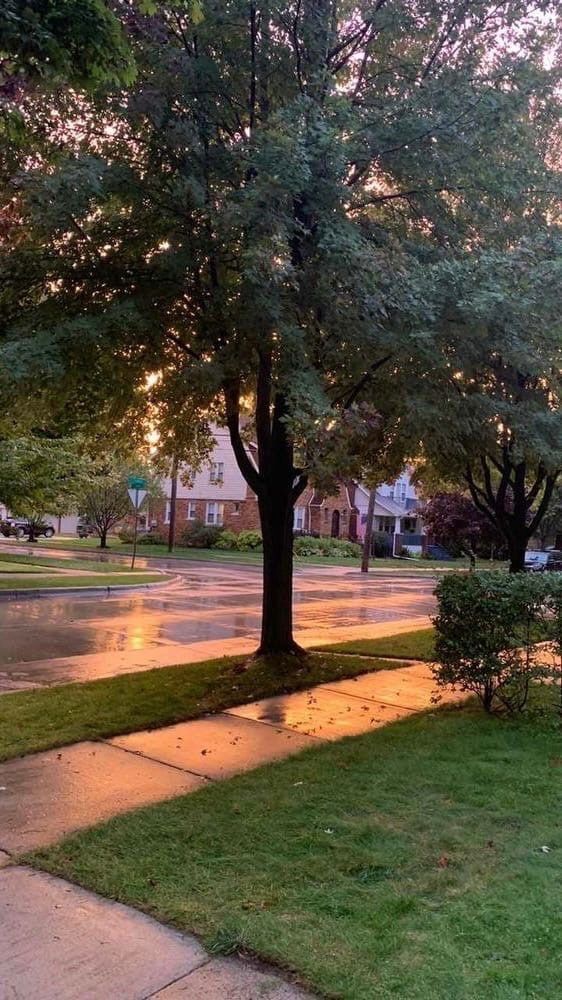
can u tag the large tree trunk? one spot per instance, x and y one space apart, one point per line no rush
517 546
276 513
103 539
277 485
367 543
276 499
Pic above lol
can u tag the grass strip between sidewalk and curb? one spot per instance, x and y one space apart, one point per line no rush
102 580
420 860
52 562
44 718
416 645
28 567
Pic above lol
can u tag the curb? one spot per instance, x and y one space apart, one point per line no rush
116 588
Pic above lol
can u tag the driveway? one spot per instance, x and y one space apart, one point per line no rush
214 610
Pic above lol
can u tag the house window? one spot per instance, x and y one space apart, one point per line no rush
191 511
326 514
216 474
236 508
400 490
167 513
215 513
387 524
298 519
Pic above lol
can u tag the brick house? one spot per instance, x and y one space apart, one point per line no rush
219 495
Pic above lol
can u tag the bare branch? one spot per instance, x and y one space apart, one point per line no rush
231 391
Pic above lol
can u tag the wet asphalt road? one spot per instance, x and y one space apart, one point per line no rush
212 603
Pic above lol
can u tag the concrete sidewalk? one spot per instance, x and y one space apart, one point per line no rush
58 942
45 796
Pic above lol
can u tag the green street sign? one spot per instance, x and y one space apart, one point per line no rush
136 483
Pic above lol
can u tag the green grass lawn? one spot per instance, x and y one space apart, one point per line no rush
9 567
100 580
197 555
51 717
255 558
406 863
416 645
16 561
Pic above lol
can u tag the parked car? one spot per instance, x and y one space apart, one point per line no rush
541 562
84 529
20 528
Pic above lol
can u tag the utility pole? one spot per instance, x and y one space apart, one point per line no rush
173 498
368 531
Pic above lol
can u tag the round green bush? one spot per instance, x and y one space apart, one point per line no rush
227 540
247 541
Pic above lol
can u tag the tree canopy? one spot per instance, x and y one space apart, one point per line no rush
275 226
80 41
501 386
40 476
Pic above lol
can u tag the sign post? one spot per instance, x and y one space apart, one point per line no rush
137 492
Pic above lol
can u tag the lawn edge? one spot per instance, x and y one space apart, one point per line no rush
89 590
178 718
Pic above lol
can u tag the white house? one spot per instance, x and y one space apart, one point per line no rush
395 510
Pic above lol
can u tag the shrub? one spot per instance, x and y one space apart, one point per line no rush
248 541
553 612
126 535
227 540
153 538
327 547
198 535
306 545
381 544
486 626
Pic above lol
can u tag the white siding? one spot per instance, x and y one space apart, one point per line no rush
233 486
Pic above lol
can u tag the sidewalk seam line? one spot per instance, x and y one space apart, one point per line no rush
205 961
271 725
155 760
374 701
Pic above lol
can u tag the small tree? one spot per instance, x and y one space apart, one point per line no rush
457 524
40 476
105 501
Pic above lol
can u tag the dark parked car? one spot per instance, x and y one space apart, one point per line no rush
541 562
84 529
20 528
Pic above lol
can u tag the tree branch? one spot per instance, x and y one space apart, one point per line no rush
350 395
543 506
182 345
231 391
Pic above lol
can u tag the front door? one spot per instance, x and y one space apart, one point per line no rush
336 524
